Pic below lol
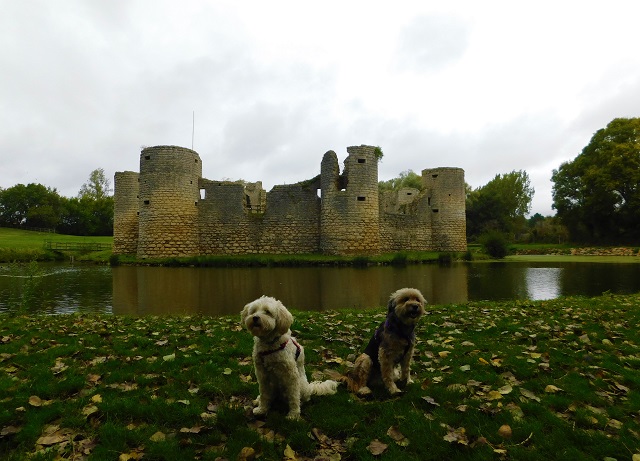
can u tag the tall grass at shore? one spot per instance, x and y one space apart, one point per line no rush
522 380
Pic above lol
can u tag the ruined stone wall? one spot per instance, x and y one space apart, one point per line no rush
288 222
168 209
445 186
349 208
405 221
169 198
125 213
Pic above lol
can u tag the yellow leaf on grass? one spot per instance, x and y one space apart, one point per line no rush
289 453
89 410
247 454
169 358
635 457
96 398
494 395
551 389
35 401
158 437
506 389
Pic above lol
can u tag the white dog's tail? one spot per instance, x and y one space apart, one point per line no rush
328 387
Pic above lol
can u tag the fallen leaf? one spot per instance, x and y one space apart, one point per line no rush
456 435
9 430
376 447
505 431
191 430
158 437
614 423
530 395
35 401
89 410
430 400
465 368
96 398
247 454
505 389
551 389
227 371
494 395
289 453
169 358
397 436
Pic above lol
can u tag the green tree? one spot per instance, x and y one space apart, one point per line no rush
91 212
500 205
597 195
33 205
405 179
97 187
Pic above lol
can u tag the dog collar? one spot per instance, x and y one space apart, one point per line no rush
281 347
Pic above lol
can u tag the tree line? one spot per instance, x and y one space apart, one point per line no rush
596 197
37 206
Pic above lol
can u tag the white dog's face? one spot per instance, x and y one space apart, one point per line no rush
266 317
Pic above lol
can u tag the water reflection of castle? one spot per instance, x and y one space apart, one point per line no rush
223 291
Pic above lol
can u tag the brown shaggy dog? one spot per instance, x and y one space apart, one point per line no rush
391 345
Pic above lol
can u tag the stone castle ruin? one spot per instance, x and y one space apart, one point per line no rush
170 210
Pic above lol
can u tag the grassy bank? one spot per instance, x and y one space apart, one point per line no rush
23 246
513 380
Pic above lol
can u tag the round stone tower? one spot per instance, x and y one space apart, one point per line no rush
125 212
447 201
169 195
349 215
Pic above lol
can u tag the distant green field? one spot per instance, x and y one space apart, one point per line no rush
22 245
21 239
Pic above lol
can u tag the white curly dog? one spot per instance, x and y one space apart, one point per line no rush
278 358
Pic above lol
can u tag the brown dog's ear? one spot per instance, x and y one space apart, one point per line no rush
284 319
391 307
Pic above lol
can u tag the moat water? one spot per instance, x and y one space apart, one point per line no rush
64 288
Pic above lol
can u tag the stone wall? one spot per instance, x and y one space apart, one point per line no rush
125 214
169 209
287 224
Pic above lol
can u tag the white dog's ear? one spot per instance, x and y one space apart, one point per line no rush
284 319
244 313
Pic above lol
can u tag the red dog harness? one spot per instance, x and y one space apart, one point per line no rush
281 347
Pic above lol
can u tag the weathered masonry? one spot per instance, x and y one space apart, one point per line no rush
169 209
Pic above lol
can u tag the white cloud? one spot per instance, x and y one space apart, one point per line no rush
490 87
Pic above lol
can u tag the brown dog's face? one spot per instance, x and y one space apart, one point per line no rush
408 305
266 317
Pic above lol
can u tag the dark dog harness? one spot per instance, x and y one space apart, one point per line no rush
391 325
281 347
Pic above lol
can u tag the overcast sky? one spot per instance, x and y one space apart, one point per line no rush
487 86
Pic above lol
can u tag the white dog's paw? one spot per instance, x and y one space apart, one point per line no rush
260 411
293 416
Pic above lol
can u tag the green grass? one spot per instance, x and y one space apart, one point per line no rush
21 245
563 374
